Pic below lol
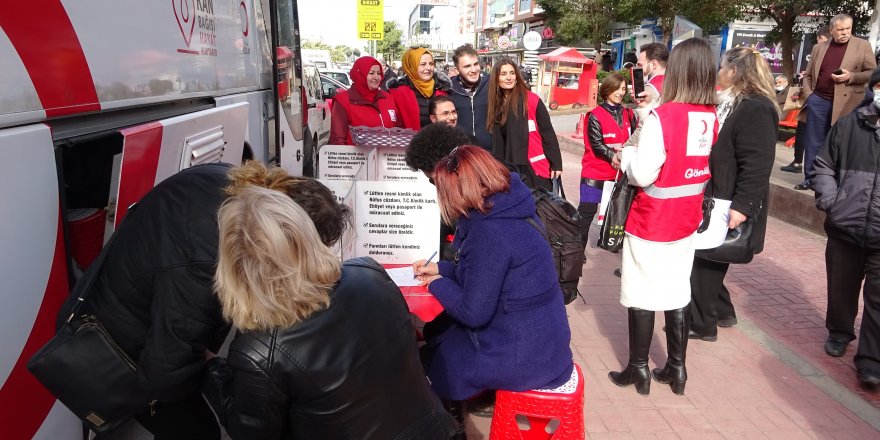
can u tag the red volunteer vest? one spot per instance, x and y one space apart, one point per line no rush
613 135
656 81
536 156
367 115
671 208
405 97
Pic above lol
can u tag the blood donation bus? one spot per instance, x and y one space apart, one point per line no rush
99 101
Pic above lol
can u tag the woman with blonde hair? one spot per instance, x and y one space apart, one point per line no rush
670 167
740 164
522 134
325 349
413 91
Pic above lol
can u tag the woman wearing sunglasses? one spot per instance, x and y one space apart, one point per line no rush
500 289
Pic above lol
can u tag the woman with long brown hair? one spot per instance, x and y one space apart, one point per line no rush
522 134
670 167
740 164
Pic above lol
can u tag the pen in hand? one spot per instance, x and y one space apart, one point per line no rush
428 261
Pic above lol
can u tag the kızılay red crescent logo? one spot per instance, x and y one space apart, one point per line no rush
246 24
184 11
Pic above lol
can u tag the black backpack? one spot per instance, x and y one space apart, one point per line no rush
563 233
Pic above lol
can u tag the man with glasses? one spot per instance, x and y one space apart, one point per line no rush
442 109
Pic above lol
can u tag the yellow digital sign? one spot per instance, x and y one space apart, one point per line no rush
370 20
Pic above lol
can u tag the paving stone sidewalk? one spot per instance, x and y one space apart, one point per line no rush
768 377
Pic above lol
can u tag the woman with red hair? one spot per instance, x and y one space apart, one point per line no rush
500 289
364 104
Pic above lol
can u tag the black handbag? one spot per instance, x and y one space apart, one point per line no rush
613 229
738 246
87 371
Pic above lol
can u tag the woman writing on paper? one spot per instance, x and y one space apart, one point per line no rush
609 126
670 167
741 163
364 104
502 286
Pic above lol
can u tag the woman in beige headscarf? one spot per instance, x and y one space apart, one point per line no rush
413 91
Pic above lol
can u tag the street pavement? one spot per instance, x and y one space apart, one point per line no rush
767 377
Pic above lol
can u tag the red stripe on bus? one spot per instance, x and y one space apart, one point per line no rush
47 44
140 158
24 401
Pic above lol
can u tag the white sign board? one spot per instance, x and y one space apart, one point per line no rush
532 40
342 162
395 222
392 166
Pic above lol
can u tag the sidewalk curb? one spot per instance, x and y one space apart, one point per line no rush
805 369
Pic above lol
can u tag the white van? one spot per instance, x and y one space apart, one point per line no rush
317 119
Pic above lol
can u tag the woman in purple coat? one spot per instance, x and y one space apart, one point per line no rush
505 326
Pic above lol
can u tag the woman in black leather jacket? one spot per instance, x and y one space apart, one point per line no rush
609 126
325 350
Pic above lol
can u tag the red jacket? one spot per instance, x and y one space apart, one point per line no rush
671 208
350 110
405 97
613 135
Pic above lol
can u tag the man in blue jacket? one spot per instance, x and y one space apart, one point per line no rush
470 93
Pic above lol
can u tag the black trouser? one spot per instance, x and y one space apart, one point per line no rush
710 299
847 265
528 176
800 134
587 212
190 419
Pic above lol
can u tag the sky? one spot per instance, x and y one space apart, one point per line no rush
334 21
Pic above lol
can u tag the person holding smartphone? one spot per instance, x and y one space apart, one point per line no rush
652 60
834 84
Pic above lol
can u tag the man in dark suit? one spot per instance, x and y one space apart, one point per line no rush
834 84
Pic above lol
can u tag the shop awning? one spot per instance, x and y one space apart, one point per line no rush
565 55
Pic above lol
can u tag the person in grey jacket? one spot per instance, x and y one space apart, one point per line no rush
845 177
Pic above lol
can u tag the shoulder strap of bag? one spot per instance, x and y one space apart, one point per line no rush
98 264
535 225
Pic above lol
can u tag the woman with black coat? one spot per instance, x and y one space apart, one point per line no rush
740 164
522 134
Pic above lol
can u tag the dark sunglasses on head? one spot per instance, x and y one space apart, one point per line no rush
452 161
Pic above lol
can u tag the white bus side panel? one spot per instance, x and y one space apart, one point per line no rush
33 267
154 151
18 98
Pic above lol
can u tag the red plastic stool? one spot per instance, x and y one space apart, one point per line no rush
541 408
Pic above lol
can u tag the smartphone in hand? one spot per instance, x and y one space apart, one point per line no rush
838 72
637 75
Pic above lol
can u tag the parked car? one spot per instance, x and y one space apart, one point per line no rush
329 87
317 117
338 75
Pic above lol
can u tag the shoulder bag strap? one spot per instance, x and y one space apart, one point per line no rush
98 264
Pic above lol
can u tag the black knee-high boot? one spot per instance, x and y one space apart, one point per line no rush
675 373
641 329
